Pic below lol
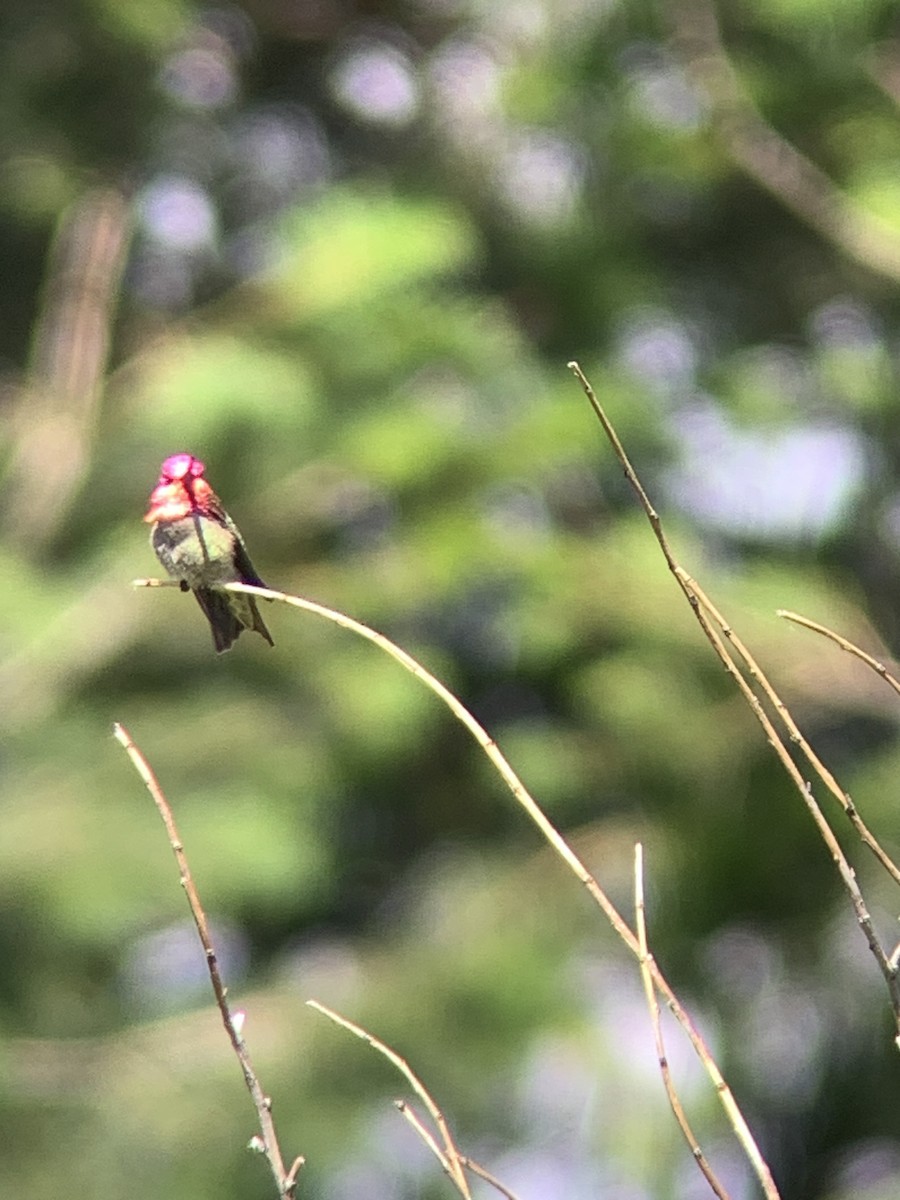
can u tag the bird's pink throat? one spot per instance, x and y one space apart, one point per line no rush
168 502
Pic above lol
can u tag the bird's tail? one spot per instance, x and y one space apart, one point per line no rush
259 624
223 622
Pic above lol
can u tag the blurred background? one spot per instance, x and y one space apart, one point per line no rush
342 251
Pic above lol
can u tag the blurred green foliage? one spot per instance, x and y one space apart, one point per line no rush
358 246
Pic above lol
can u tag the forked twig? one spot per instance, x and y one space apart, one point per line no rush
650 992
880 669
553 837
804 787
410 1115
267 1144
795 735
448 1156
707 615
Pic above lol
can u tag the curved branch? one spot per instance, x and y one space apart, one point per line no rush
556 841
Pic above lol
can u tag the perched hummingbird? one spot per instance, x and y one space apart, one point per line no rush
199 545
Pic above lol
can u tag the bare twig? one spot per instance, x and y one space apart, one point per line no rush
707 615
471 1165
878 667
650 992
774 162
461 713
285 1180
794 734
555 840
848 875
450 1157
409 1114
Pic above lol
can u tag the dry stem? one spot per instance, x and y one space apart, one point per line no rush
285 1181
473 1166
650 992
449 1157
878 667
707 614
794 734
553 837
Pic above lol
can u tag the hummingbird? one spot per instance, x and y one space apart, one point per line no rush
200 546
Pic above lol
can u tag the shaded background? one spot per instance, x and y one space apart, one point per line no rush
342 252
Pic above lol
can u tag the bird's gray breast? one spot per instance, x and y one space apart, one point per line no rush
194 549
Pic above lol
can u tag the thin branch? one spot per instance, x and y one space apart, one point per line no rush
706 615
555 840
285 1180
797 737
878 667
650 992
409 1114
471 1165
630 473
462 714
804 787
450 1157
843 798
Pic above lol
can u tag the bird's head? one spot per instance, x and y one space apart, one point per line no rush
180 489
178 467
